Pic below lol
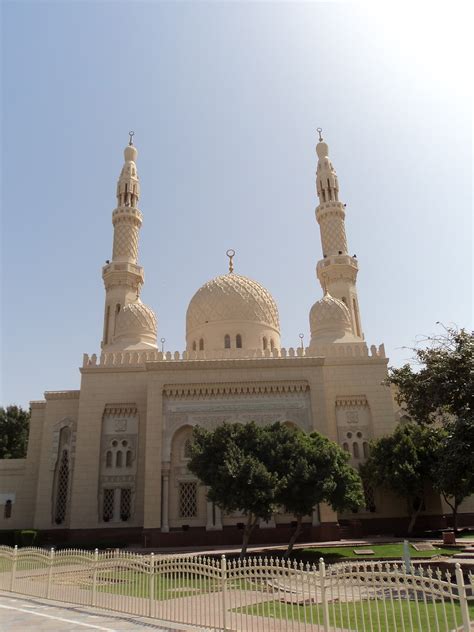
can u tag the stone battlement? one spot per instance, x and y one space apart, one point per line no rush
139 358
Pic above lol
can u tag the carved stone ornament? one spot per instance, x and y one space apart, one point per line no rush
352 417
120 425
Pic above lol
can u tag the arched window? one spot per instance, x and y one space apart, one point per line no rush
346 447
238 341
355 450
365 449
265 343
108 459
201 344
194 346
118 459
272 344
227 341
128 458
7 513
62 489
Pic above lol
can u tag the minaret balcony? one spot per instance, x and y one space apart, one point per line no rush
122 273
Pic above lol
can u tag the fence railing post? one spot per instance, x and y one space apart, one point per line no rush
151 586
224 591
14 565
462 599
94 577
324 601
50 573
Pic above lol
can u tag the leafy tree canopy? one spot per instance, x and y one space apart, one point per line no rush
453 474
403 463
312 469
256 469
230 461
443 387
14 424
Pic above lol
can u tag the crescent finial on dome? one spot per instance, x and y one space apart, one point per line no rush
231 254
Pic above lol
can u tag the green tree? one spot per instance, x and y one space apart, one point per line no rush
14 424
453 474
403 463
229 460
443 386
311 469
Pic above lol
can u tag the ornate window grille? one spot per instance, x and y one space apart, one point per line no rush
369 497
188 499
108 505
62 489
125 503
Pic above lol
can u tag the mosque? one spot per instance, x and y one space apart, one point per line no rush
108 462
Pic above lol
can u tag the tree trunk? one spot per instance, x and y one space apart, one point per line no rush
249 527
455 518
413 518
294 537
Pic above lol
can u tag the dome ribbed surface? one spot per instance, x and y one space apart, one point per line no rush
232 297
136 318
329 311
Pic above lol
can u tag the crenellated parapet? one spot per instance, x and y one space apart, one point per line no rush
140 358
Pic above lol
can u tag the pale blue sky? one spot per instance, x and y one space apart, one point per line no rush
225 99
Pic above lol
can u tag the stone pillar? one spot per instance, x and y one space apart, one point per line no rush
214 517
165 527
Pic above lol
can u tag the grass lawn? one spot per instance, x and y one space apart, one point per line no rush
385 551
362 613
135 584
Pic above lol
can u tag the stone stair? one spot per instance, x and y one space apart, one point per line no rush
466 554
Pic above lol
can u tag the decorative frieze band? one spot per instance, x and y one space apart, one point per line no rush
352 400
234 388
120 410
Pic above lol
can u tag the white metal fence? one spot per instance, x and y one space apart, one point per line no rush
257 594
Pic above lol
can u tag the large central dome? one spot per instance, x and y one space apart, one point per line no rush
235 306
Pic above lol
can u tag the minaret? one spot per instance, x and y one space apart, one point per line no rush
123 277
337 271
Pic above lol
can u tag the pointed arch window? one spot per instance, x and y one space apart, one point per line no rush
62 489
272 344
345 447
355 450
227 341
365 449
194 346
201 344
128 459
108 459
238 341
118 459
265 343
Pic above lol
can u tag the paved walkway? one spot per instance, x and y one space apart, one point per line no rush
18 614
